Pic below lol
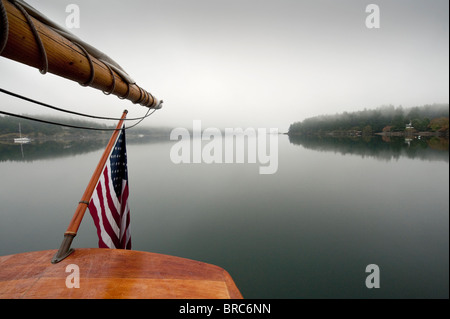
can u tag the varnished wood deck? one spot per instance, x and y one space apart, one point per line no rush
113 274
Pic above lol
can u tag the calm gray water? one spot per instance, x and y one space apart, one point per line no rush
308 231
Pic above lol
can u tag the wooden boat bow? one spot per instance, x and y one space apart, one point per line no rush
113 274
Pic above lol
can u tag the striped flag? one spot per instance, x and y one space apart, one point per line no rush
109 203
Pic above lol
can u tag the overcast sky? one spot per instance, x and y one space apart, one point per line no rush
250 63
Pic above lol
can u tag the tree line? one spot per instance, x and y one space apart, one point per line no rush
434 118
9 127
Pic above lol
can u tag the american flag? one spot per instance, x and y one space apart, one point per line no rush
109 203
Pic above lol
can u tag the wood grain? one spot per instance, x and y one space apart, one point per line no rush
113 274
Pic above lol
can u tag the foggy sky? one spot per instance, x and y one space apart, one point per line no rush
250 63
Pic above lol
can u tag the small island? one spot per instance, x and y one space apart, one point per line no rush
427 120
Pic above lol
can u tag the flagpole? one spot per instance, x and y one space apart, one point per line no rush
65 250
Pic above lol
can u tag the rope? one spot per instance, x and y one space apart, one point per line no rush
44 60
126 94
113 87
91 65
75 126
63 110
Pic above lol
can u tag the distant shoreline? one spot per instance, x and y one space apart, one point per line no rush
386 134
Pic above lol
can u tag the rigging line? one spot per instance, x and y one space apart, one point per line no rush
64 110
37 37
75 126
143 118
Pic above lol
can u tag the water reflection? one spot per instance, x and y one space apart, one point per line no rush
309 231
45 149
380 147
38 150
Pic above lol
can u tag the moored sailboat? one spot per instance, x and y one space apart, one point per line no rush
21 139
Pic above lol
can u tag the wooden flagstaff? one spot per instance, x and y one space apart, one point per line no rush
74 225
39 46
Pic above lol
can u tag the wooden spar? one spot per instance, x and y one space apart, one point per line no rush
72 229
66 59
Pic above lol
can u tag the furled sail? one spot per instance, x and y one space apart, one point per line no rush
29 37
